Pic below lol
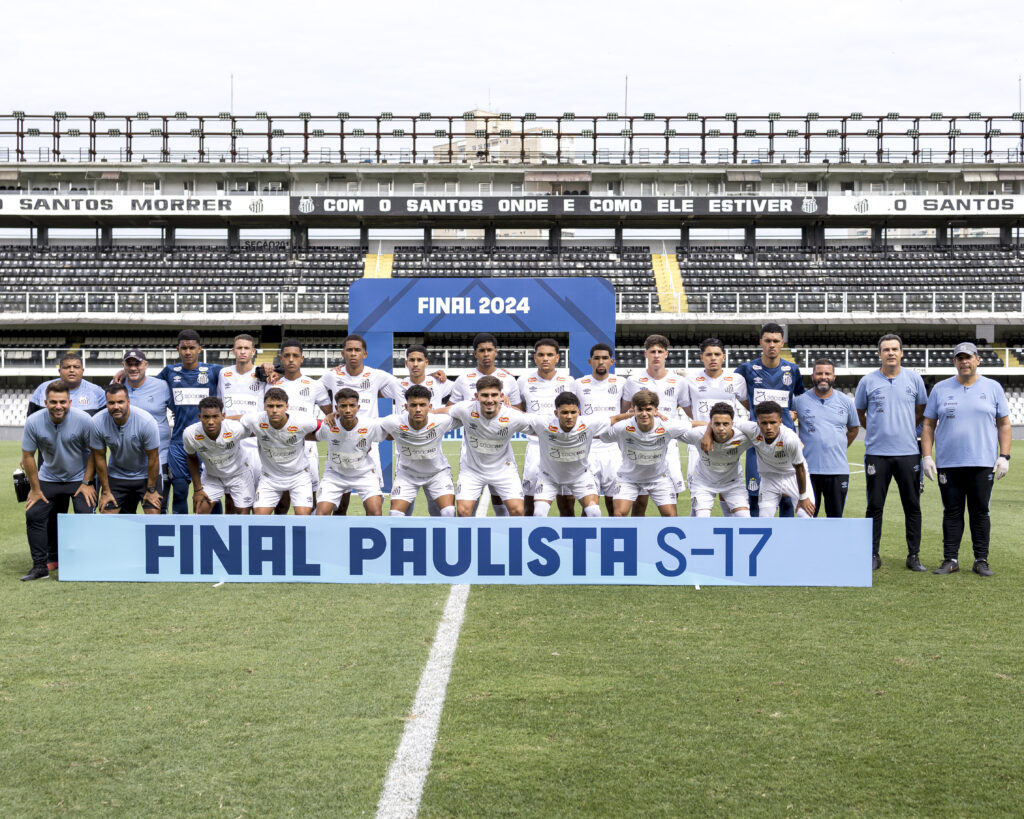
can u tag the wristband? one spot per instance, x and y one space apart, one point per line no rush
808 495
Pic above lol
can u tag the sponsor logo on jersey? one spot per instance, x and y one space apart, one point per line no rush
293 429
503 419
474 415
363 430
200 437
228 436
560 378
630 429
700 378
264 425
659 431
552 428
228 374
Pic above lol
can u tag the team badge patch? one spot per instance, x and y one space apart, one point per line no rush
787 379
203 378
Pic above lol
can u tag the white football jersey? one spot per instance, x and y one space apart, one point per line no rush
302 401
780 455
465 386
241 393
539 393
599 398
487 442
667 387
643 453
419 450
222 456
369 382
439 391
721 467
700 392
348 450
564 455
282 451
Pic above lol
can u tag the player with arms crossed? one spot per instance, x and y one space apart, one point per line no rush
599 395
421 462
350 463
282 443
716 468
218 442
485 351
487 459
538 391
644 440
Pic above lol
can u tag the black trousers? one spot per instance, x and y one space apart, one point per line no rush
906 469
833 489
41 519
129 494
970 486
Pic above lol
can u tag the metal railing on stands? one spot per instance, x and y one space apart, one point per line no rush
747 302
506 138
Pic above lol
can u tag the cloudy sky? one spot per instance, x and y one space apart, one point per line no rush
547 57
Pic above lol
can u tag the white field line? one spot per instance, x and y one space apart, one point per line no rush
403 787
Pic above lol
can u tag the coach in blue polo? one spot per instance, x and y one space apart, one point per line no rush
132 474
968 418
828 425
890 402
62 434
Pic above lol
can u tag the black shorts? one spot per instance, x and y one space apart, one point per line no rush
130 494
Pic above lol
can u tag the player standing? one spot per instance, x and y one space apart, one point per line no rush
538 391
240 389
769 378
666 385
416 362
600 397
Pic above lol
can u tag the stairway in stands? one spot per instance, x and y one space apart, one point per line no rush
378 265
671 295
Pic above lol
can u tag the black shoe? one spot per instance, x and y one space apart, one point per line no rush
914 564
947 567
876 562
36 573
981 567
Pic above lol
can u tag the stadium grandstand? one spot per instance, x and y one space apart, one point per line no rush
118 230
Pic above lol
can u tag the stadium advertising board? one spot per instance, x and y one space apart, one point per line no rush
533 206
129 205
964 205
555 551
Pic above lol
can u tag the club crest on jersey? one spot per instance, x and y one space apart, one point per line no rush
364 384
203 378
787 379
613 390
83 399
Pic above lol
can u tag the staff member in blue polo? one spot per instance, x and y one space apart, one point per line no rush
890 402
154 396
62 434
828 425
968 418
132 475
84 395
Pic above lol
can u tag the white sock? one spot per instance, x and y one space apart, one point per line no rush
593 511
499 510
541 508
448 512
394 513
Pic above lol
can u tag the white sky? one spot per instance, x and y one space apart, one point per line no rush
542 56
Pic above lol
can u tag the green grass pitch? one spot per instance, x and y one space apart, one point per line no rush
249 699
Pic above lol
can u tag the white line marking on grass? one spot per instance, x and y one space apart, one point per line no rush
407 775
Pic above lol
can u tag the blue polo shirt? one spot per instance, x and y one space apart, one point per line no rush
823 425
154 396
65 446
86 396
890 406
965 430
128 444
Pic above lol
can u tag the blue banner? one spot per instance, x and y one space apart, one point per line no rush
615 551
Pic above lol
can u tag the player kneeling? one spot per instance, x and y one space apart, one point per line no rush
564 444
216 441
350 466
644 441
717 471
421 463
780 460
281 440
